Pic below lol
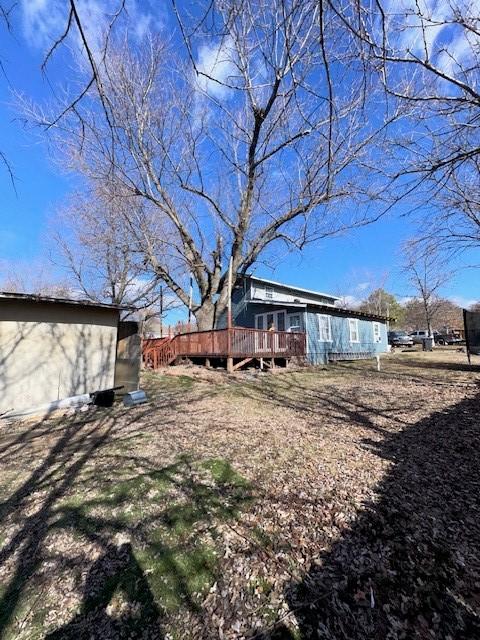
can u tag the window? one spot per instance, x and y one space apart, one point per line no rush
294 322
273 318
376 332
324 329
353 325
269 293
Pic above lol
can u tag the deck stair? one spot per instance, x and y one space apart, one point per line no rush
159 353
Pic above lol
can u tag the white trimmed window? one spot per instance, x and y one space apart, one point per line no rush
377 337
269 293
353 326
324 328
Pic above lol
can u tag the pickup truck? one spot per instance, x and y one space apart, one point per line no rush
399 339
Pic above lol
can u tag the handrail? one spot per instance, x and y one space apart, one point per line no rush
251 329
236 342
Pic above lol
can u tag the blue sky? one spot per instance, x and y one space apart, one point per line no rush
349 265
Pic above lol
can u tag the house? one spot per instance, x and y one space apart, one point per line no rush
332 333
54 348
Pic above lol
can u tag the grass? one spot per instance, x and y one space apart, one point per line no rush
206 504
167 518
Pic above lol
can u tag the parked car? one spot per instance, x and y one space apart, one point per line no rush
399 339
448 338
419 336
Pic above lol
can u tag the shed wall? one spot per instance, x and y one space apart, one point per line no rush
52 351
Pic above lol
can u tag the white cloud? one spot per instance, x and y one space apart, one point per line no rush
349 301
363 286
424 27
463 301
45 20
217 62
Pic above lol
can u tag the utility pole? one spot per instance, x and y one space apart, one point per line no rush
161 311
229 319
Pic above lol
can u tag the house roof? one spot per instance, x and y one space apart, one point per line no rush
291 287
32 297
326 308
279 303
351 313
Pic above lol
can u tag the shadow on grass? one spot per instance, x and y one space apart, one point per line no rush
409 566
321 403
116 570
144 520
415 369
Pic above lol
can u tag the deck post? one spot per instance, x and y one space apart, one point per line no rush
229 320
261 364
207 362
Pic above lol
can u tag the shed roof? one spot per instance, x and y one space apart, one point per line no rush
32 297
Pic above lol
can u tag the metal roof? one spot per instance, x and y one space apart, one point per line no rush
32 297
278 303
292 287
348 312
328 309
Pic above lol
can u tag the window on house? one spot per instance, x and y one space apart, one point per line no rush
324 329
294 323
269 293
376 332
259 320
353 325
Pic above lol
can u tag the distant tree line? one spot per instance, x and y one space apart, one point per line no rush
409 314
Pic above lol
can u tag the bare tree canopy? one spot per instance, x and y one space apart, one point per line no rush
247 143
94 245
428 273
426 56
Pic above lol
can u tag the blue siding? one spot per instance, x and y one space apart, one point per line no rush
317 351
244 311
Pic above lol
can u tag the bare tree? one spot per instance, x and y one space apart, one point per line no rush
34 276
427 274
94 245
252 141
426 55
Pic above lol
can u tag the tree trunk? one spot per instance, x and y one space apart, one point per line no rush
205 316
208 314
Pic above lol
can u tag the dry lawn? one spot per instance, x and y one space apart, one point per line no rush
338 503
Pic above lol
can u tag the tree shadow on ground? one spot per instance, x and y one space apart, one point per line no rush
347 406
409 566
88 483
117 569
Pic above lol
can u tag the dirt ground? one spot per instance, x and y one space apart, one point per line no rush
337 502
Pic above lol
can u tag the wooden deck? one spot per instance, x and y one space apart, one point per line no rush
238 343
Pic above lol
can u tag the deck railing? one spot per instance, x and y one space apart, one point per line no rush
237 342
